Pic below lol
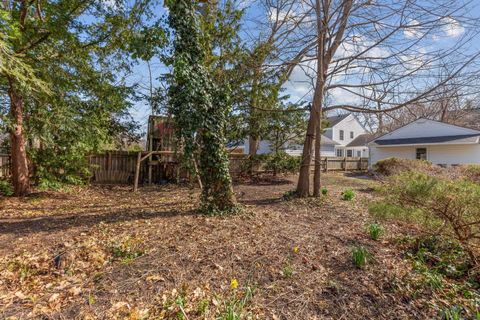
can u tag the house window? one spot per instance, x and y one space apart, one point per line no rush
349 153
342 135
351 135
359 154
339 152
421 154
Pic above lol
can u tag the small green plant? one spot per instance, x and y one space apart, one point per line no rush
6 188
289 195
234 309
348 195
360 256
203 306
433 280
287 271
127 250
452 313
324 191
375 231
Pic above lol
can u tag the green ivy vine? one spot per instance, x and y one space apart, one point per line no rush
199 109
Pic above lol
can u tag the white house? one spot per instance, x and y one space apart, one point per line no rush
344 137
440 143
349 134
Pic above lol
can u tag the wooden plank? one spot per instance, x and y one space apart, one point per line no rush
137 172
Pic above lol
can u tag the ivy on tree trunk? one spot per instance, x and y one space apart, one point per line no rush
200 109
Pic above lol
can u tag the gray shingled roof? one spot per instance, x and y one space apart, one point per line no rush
361 140
336 119
466 138
327 141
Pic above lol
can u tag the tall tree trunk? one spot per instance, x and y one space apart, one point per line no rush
303 185
20 174
253 123
317 182
253 143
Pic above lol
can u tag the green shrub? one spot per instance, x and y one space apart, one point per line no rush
360 256
348 195
375 231
6 188
254 163
448 207
282 162
324 191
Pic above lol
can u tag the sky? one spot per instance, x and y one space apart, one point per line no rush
299 85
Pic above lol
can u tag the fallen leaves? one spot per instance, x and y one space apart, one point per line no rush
104 252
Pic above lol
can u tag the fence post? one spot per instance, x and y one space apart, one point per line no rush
137 171
345 164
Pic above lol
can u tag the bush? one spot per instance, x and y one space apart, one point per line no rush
448 207
348 195
254 163
324 191
6 188
282 162
471 172
375 231
393 166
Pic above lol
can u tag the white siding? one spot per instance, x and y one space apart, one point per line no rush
437 154
327 151
263 146
349 124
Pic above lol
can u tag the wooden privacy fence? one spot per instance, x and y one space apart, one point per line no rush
345 164
161 166
5 166
120 166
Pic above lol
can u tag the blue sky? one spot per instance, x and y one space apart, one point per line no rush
297 87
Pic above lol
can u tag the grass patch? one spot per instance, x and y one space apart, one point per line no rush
360 257
375 231
348 195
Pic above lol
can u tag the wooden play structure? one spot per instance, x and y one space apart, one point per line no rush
160 148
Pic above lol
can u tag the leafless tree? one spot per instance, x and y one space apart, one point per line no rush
273 54
384 55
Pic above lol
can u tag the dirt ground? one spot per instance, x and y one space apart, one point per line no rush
106 253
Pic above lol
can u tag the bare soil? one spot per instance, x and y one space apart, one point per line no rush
103 252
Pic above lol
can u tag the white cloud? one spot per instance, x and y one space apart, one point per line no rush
340 96
412 31
111 4
299 85
452 28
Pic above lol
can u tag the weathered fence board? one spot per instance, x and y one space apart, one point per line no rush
5 165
